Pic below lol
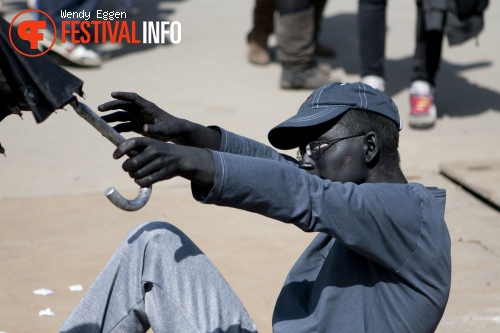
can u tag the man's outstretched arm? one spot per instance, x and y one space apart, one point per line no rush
134 113
144 117
159 160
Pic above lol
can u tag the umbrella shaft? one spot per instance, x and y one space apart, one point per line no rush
93 119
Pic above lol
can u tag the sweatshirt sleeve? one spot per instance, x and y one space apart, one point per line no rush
240 145
379 221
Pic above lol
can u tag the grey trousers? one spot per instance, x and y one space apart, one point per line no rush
159 278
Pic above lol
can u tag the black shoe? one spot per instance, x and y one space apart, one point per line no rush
311 78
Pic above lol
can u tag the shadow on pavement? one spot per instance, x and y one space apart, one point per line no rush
456 97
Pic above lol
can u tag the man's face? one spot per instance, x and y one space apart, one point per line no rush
342 161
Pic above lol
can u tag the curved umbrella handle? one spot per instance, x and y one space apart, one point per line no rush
112 135
129 205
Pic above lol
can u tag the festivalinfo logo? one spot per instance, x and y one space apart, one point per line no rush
78 28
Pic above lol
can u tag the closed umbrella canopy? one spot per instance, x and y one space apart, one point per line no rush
27 83
36 84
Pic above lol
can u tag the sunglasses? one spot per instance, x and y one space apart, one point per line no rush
315 149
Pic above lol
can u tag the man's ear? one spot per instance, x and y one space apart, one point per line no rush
371 149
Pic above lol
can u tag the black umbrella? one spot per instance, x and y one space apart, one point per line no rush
21 83
36 84
40 85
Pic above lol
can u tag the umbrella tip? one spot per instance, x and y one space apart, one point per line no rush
2 150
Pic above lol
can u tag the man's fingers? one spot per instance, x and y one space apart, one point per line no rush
130 97
153 130
130 144
124 127
153 166
152 178
138 162
117 116
117 105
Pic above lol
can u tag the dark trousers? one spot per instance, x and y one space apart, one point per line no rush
371 30
53 8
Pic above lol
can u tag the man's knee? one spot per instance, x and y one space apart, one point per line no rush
151 229
163 237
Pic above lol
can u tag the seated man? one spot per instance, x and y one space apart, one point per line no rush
380 261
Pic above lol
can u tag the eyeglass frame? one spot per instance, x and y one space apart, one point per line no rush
316 156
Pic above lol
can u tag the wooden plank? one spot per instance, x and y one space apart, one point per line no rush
482 178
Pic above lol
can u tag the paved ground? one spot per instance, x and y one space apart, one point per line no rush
57 229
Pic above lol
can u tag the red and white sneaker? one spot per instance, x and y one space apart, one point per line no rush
423 111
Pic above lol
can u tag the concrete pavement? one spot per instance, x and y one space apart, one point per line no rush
59 230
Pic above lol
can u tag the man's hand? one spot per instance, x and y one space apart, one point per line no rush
160 161
141 116
145 118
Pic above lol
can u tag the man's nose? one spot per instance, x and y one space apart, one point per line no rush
306 163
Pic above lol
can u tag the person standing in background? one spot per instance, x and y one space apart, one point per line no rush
75 53
296 33
461 19
263 27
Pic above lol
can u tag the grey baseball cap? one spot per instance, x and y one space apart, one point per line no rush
329 102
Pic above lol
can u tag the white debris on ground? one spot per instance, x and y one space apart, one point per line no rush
43 292
46 312
76 287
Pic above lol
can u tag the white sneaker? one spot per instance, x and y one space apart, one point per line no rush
77 54
374 81
423 111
